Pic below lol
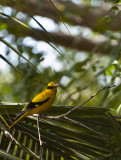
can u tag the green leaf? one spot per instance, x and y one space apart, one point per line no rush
3 155
108 70
78 66
114 8
106 18
3 26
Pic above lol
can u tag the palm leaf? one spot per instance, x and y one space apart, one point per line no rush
87 133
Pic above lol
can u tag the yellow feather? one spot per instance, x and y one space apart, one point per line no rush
40 103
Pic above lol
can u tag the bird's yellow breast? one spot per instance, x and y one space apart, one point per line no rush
41 97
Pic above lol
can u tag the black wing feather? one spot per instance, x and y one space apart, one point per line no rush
30 106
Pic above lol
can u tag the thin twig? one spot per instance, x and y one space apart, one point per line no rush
89 99
71 110
13 140
9 136
40 141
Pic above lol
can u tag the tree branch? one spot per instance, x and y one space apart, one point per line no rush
83 15
40 141
13 140
71 110
59 38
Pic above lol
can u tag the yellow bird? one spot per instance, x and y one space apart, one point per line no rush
39 103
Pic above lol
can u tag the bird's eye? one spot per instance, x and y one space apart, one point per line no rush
50 87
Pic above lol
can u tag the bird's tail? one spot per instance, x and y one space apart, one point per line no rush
19 117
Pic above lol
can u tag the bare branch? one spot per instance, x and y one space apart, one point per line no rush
60 38
40 141
13 140
82 15
71 110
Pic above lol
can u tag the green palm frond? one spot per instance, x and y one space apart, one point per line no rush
87 133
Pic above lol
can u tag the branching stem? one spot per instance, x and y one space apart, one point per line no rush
76 107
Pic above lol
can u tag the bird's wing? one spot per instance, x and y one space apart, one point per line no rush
30 106
37 100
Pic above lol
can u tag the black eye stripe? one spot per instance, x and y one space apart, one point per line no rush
50 87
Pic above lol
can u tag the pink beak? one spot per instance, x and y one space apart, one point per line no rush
56 85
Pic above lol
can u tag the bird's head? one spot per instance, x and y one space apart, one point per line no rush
52 85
